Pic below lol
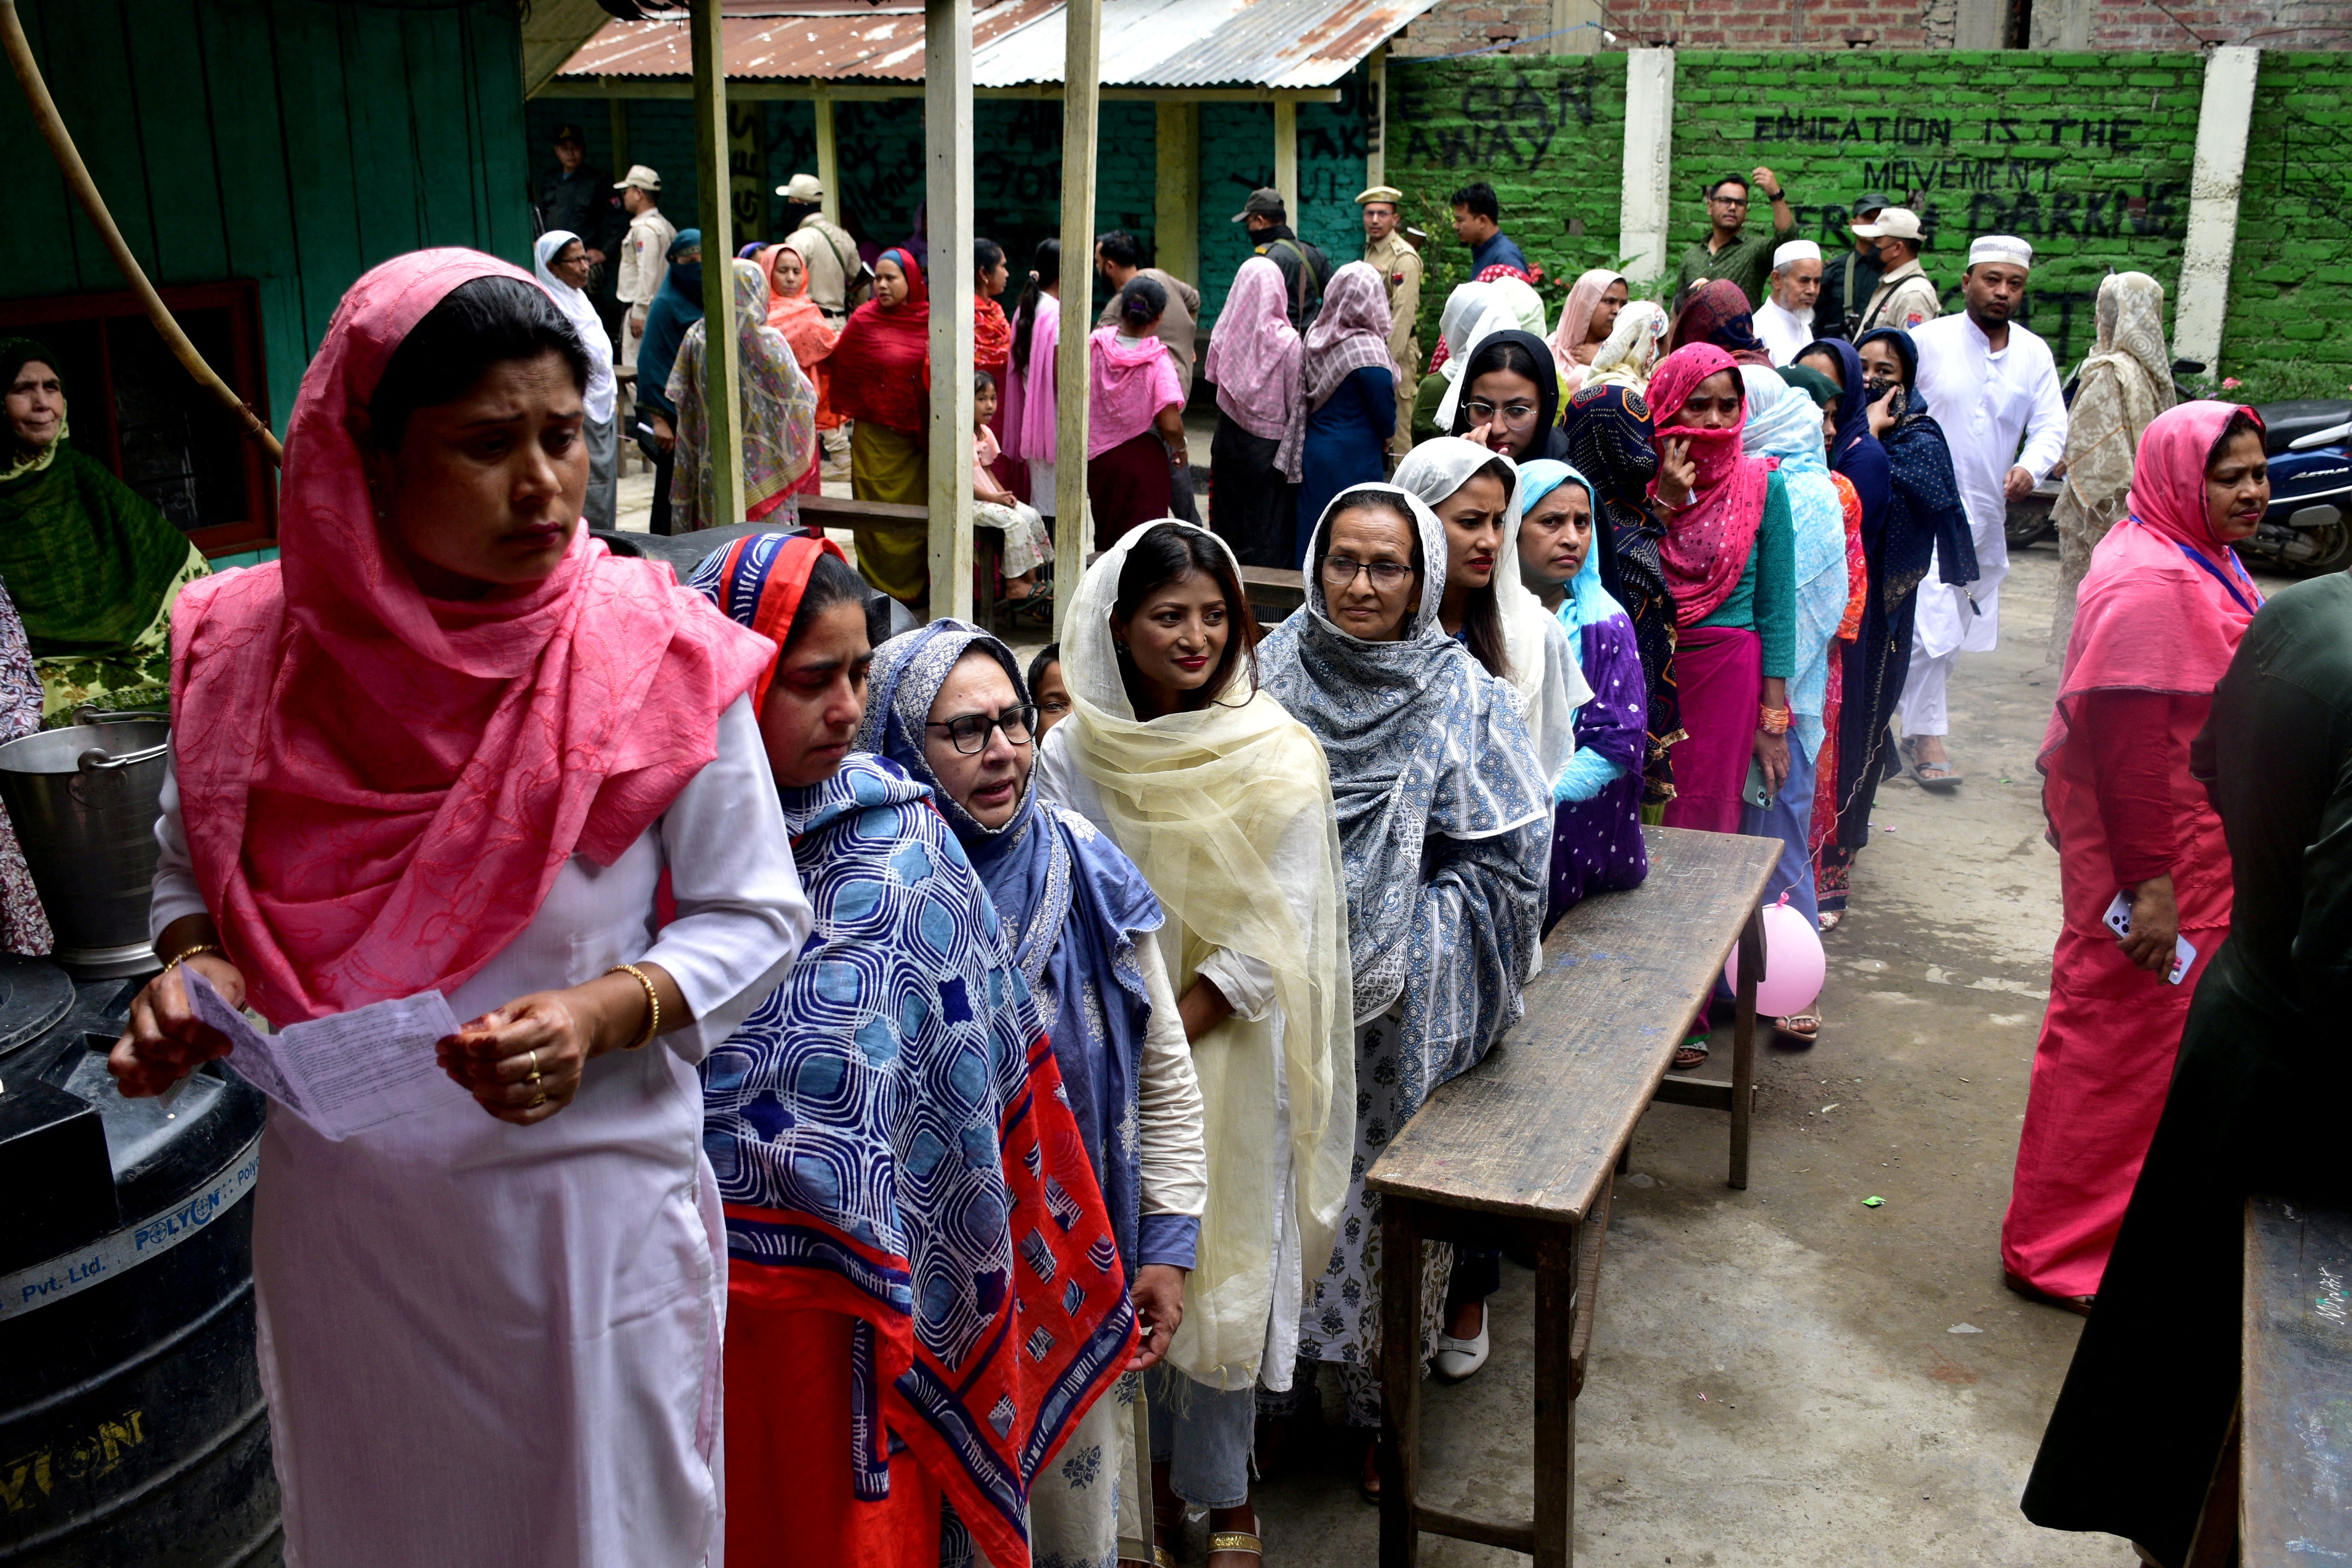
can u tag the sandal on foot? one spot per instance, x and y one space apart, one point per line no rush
1804 1027
1830 920
1237 1541
1695 1049
2078 1305
1936 776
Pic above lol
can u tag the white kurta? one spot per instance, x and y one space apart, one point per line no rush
1248 985
1988 404
1783 333
488 1343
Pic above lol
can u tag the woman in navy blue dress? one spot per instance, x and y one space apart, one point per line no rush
1350 386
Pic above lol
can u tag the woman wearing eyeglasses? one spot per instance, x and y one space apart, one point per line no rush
1445 830
1507 400
886 1126
946 703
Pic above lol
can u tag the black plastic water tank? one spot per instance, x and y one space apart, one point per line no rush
132 1428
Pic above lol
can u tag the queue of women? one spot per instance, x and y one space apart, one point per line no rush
915 1108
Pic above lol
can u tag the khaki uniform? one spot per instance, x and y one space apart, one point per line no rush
832 265
1400 264
1905 297
645 262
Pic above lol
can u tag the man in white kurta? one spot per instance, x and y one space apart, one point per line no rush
1993 386
1784 322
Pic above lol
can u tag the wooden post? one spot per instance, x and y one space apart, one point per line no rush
1286 159
947 161
828 162
722 359
1176 207
620 109
1376 141
1081 85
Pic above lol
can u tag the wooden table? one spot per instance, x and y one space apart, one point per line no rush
2294 1455
1523 1149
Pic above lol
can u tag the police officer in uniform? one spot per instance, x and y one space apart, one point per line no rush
1387 250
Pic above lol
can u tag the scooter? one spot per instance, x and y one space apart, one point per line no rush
2306 530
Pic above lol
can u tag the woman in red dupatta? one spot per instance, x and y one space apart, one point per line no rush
882 379
2159 617
792 311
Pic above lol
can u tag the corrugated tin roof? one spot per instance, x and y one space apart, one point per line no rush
1017 43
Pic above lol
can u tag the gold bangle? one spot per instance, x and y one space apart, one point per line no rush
190 952
653 1005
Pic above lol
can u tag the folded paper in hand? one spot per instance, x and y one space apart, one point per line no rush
345 1073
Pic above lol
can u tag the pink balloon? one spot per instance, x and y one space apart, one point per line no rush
1794 966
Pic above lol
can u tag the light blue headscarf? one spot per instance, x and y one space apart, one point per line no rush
1586 603
1784 422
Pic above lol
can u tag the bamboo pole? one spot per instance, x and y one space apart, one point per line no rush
722 356
1081 77
947 196
93 206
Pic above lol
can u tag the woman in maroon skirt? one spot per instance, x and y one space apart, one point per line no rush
1135 435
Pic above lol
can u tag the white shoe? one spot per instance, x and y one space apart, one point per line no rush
1457 1358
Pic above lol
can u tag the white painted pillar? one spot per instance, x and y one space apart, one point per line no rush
2214 182
1642 213
1286 158
828 160
722 363
1073 529
1376 149
947 160
1176 198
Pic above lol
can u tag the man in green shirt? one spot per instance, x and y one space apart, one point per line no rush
1723 253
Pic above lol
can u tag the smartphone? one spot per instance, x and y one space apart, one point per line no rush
1756 792
2184 953
2118 915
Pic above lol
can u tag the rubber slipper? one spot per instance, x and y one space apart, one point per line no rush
1695 1043
1945 777
1805 1028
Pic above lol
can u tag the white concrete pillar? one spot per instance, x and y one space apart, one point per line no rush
1376 139
2214 182
1176 200
1644 207
947 158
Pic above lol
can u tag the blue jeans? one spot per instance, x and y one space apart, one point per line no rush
1205 1436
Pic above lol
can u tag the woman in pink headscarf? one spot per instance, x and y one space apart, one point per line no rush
447 742
1136 435
1586 319
2159 617
1253 362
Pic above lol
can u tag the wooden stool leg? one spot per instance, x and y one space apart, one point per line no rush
1743 1044
1555 1445
1400 1383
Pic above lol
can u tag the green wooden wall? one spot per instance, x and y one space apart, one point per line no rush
296 143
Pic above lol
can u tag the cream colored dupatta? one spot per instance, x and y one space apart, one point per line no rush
1227 812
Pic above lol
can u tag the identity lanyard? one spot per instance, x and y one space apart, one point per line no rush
2221 577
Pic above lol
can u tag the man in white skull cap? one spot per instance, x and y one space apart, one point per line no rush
1994 389
1785 321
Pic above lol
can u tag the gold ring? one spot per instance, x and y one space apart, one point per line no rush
537 1101
534 1062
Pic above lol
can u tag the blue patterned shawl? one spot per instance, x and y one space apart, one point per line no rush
1073 906
1443 814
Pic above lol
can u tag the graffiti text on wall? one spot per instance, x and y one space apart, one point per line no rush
1508 124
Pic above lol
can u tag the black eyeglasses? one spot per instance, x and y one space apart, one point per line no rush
968 732
1339 571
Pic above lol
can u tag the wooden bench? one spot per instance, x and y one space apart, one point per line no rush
1522 1150
2294 1463
1275 589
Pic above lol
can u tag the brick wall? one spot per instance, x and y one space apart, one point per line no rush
2087 156
2289 328
1547 131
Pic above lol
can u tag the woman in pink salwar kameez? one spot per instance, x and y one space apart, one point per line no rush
2161 615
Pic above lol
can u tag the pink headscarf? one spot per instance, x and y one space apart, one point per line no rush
1707 542
1133 380
1253 355
2165 601
422 768
1570 351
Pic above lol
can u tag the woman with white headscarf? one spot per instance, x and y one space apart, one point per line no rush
1222 800
561 262
1444 823
1630 353
1456 324
2126 382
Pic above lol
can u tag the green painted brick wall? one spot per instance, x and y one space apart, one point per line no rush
2289 330
1547 131
2087 156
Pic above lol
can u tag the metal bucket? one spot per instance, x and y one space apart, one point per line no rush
84 800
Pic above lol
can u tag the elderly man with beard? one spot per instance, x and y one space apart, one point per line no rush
1785 324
